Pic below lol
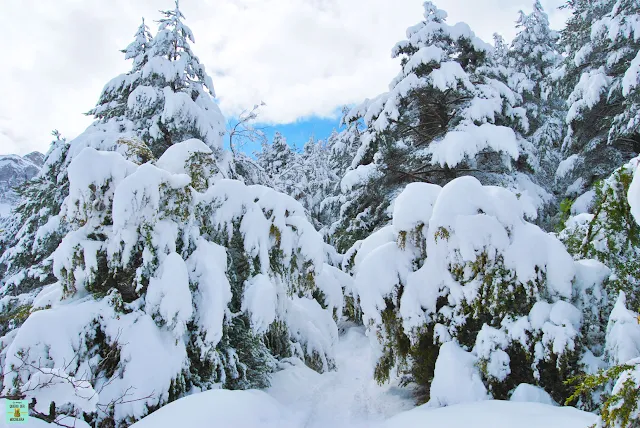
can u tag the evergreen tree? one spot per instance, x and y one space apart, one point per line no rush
308 177
167 96
342 147
600 82
608 233
276 157
448 113
132 244
443 273
534 50
320 180
500 50
532 59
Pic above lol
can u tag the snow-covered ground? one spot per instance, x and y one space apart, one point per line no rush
348 397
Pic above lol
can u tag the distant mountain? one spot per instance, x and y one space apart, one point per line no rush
15 170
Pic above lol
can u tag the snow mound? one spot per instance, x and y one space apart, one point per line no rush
227 408
493 414
531 394
176 156
457 379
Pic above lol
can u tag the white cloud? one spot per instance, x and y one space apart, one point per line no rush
302 57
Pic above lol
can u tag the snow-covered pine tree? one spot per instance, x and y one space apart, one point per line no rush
500 50
448 113
528 68
532 59
276 157
600 80
613 229
167 97
342 147
213 279
321 179
534 51
604 229
308 177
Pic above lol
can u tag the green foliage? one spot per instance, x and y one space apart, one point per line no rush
565 213
617 408
248 361
612 236
13 316
352 311
201 168
499 295
364 212
137 150
395 343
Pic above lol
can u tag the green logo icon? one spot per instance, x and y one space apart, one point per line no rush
17 411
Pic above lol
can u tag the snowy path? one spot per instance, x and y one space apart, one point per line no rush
348 397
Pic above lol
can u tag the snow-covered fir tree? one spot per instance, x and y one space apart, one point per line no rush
310 177
167 96
164 99
276 157
600 82
448 113
608 232
138 50
599 225
321 179
532 59
31 235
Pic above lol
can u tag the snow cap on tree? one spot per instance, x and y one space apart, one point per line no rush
534 49
139 48
172 43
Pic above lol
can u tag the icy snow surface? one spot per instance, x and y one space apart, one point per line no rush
348 397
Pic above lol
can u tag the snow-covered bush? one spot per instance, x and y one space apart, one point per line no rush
461 263
164 289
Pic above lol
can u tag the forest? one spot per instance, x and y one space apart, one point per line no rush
474 230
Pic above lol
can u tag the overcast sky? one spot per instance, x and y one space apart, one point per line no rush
304 58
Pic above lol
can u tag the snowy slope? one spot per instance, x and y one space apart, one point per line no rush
349 397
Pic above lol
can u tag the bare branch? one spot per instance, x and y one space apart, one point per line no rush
244 131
